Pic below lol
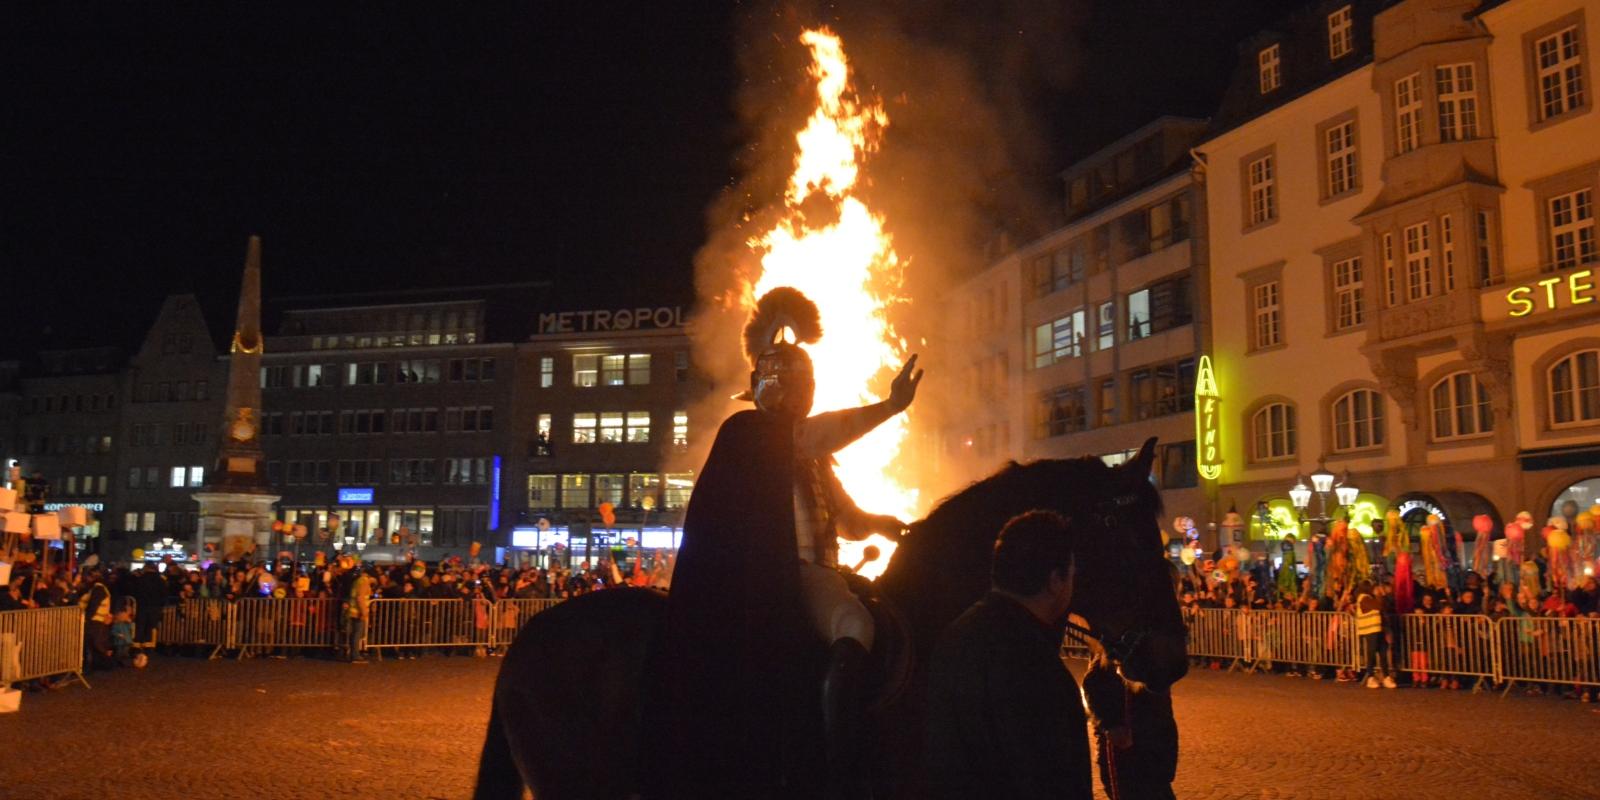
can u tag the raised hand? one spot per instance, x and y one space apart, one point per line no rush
904 388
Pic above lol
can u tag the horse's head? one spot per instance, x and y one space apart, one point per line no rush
1123 583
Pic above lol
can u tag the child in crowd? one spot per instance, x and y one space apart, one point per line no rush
122 636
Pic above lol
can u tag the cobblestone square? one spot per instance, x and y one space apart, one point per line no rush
308 728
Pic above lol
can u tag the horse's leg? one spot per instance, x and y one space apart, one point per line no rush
498 778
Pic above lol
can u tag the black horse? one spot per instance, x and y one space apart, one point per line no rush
568 709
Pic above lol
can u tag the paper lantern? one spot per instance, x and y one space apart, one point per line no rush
8 499
608 514
475 548
1483 524
73 516
1557 522
1585 522
1558 539
1525 520
138 554
300 532
1182 525
277 526
1186 556
320 559
1594 511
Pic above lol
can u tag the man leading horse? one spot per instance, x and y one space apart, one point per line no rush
757 594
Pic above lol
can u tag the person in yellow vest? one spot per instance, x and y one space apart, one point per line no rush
358 610
1369 626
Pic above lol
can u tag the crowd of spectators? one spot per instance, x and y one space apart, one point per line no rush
1387 660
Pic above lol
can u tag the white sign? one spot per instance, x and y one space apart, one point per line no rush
621 319
95 507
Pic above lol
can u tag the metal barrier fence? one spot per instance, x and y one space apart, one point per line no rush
268 624
429 623
45 641
204 622
1548 650
1447 644
509 615
1216 633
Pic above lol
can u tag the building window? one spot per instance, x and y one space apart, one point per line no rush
586 370
610 427
1339 34
1458 102
1106 406
680 366
1138 305
585 428
1461 407
1358 421
1169 221
542 435
1447 250
178 480
547 372
1575 389
1391 291
1485 231
1339 157
1061 411
1163 306
1349 309
1175 466
1162 390
1106 326
541 491
1559 64
575 491
1263 192
1058 339
679 486
1408 113
1571 221
1419 262
608 488
1269 69
680 429
642 485
197 476
1272 430
1266 309
134 474
147 521
638 427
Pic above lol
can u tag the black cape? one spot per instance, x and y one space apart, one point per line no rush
737 644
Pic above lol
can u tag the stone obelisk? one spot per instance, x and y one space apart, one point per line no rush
236 504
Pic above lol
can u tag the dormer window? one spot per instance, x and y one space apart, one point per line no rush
1340 37
1267 67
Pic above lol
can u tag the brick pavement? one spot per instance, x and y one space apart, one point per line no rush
411 729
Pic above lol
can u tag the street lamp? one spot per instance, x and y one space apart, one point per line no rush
1323 484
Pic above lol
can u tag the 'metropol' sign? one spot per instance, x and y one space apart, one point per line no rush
621 319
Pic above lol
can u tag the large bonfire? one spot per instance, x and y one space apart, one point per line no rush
830 245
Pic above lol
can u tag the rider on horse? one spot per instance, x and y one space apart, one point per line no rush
757 578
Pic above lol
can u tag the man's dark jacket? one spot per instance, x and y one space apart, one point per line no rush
737 642
1004 715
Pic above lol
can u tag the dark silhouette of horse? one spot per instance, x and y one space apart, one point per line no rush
568 716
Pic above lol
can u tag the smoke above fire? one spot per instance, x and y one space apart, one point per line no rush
944 158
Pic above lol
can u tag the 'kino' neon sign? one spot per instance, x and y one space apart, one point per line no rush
1207 422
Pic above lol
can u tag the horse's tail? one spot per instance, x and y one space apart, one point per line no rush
498 778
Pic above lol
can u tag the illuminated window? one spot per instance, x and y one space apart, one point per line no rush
1461 407
610 427
1575 389
575 491
585 427
1272 430
1060 411
638 427
679 486
1106 407
586 370
613 370
541 491
642 485
608 489
680 429
1059 339
197 477
1106 326
1358 420
179 477
1408 113
638 369
547 372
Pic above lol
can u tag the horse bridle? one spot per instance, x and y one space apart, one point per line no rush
1109 513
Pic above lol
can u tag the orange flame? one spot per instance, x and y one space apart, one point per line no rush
848 266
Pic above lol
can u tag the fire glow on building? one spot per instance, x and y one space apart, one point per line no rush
848 266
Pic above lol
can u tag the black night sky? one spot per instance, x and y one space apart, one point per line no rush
427 145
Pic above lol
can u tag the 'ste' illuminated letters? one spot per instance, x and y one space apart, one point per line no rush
1207 422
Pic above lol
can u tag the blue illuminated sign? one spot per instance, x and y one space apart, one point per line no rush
356 496
494 498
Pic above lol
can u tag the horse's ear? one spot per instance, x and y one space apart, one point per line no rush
1140 464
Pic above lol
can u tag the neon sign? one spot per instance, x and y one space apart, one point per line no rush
1579 289
1207 422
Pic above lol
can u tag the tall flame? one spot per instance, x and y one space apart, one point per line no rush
846 263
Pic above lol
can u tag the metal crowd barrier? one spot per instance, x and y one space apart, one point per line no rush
509 615
1311 638
1217 633
267 624
45 641
1548 650
429 623
203 622
1449 644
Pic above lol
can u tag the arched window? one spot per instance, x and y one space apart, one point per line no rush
1358 420
1272 430
1575 389
1461 407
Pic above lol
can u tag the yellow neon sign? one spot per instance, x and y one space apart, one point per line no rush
1207 422
1579 289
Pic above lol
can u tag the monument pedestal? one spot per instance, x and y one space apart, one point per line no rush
236 522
